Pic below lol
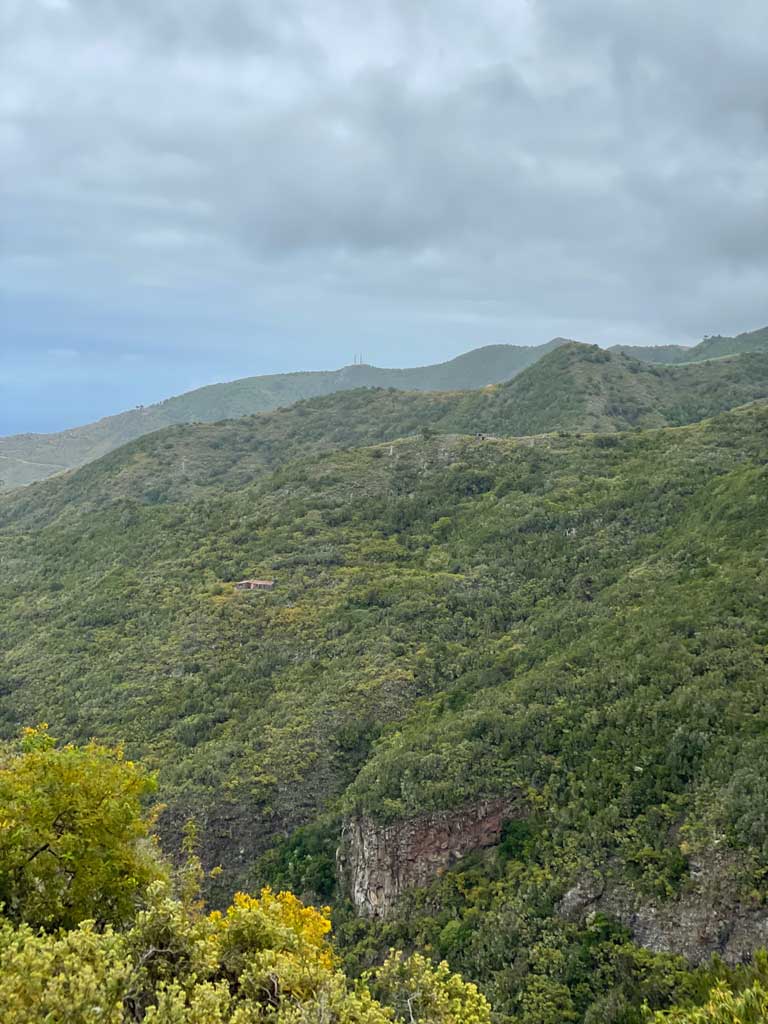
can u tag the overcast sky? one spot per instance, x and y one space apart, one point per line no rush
196 190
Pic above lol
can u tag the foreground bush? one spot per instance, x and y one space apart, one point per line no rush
264 959
93 930
419 990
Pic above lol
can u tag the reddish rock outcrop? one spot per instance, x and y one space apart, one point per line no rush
377 863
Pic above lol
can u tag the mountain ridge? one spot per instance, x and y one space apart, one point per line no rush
710 347
574 388
25 458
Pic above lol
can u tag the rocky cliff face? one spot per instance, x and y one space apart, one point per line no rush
707 917
377 863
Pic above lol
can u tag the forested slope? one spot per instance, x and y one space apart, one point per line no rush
578 619
711 347
585 388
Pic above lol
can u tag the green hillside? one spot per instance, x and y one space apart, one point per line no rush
190 461
577 388
577 619
25 458
711 347
585 388
716 345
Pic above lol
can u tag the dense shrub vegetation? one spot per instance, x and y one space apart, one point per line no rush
263 959
581 618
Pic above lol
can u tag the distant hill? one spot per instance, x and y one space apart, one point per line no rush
712 347
575 389
25 458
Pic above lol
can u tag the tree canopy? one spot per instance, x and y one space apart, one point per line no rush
74 835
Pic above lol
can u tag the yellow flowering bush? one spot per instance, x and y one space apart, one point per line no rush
722 1007
77 977
276 921
265 960
424 993
94 931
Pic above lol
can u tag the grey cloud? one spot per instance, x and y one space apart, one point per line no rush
591 167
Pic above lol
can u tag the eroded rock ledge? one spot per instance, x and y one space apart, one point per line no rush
377 863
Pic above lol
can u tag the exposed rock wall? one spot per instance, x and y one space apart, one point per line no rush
707 917
377 863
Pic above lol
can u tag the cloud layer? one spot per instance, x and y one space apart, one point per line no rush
196 190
